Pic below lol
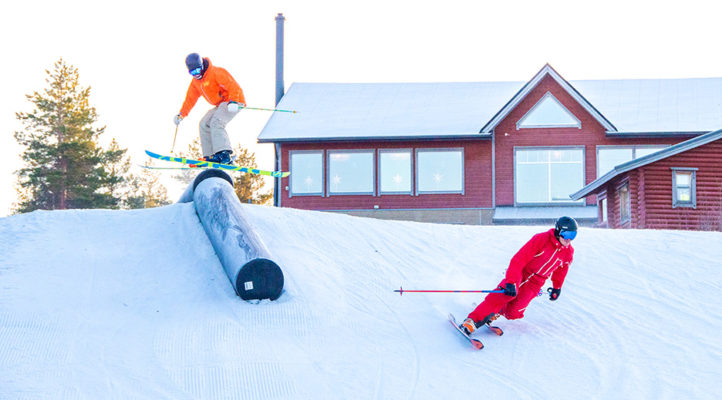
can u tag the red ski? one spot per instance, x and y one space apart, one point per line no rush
474 342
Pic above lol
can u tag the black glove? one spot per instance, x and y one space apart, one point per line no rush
510 290
554 293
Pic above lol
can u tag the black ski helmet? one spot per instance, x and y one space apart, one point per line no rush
565 224
194 61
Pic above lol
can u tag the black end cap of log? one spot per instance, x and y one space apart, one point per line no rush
260 279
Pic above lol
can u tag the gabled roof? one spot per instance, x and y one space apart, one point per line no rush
521 94
648 159
363 111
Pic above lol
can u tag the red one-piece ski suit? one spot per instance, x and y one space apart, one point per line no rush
541 257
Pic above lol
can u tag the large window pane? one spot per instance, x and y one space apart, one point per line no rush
643 151
610 157
532 183
440 171
565 178
607 159
395 171
548 175
307 173
350 172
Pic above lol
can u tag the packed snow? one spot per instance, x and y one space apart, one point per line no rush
135 304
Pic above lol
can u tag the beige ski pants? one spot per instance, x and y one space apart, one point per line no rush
214 137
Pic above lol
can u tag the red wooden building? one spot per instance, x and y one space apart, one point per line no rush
679 187
476 153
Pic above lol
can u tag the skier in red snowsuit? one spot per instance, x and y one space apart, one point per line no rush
546 254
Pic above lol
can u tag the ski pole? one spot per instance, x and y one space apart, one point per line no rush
174 136
402 291
271 109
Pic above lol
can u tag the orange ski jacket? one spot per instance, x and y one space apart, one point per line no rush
216 86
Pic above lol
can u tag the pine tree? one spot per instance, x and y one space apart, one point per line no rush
248 186
117 166
146 191
64 162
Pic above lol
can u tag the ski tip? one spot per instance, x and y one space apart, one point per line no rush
496 330
477 344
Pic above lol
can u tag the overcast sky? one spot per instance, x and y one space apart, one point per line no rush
131 53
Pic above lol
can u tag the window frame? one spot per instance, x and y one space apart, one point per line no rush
329 153
633 147
517 203
602 210
291 153
548 94
462 171
676 203
624 187
379 189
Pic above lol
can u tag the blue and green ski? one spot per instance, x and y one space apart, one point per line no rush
227 167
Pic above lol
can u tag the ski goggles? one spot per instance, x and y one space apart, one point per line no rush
196 72
568 235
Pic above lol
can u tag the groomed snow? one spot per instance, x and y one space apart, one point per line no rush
134 304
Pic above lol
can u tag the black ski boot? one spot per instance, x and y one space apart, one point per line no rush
222 157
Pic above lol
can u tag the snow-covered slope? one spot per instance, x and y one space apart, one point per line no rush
134 304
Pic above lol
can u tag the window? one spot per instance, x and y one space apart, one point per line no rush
548 175
395 171
602 207
440 171
684 187
625 204
306 173
546 113
609 157
350 172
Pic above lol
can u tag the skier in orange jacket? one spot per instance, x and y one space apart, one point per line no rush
219 88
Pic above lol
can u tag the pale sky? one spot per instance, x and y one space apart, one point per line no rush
132 53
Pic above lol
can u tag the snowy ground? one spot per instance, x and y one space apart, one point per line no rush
134 304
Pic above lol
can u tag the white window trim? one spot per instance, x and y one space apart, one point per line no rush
431 150
693 188
410 192
329 193
519 123
551 202
323 177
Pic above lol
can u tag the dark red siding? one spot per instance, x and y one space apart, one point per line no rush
651 193
658 210
591 135
477 178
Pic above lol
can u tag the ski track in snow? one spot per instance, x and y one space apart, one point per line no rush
134 304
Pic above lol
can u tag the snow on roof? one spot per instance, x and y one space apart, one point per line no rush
386 110
329 111
657 105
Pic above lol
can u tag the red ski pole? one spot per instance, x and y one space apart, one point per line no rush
402 291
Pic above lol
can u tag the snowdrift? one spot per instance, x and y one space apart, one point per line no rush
135 304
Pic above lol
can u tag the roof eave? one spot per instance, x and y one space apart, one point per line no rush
474 136
632 135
